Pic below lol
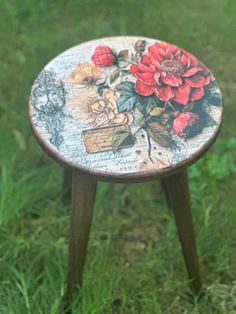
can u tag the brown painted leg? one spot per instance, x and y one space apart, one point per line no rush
67 184
83 198
178 192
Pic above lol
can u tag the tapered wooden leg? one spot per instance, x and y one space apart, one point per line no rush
67 185
179 197
83 198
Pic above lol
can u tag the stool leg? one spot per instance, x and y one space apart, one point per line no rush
67 184
83 198
178 193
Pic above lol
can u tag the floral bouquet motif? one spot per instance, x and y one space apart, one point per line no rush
161 88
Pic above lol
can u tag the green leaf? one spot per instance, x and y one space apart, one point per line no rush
125 103
158 134
125 72
100 90
126 88
114 75
138 117
215 99
123 54
156 111
209 121
189 107
205 119
128 98
146 103
203 105
122 138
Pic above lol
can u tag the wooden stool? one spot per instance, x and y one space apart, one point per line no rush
126 109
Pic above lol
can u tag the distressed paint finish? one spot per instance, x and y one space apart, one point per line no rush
108 107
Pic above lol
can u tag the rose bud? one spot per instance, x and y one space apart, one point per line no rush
103 56
184 124
140 45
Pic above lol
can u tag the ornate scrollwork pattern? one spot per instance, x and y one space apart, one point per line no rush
48 99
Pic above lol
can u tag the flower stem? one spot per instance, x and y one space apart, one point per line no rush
137 130
149 148
129 62
169 104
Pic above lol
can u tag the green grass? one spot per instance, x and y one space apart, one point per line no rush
134 260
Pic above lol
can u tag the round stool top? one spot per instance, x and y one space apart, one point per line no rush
125 107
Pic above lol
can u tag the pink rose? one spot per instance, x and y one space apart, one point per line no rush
183 121
103 56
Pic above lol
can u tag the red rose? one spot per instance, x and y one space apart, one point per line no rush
103 56
182 121
170 73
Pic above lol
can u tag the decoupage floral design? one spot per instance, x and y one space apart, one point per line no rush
124 105
159 87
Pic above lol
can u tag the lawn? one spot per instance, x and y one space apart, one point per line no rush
134 260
